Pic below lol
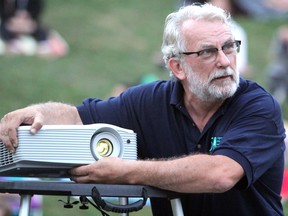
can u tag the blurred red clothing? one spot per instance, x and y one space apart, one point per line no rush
284 192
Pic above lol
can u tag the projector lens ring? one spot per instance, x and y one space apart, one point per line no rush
106 142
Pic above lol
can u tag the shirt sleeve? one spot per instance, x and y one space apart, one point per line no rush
254 137
126 110
111 111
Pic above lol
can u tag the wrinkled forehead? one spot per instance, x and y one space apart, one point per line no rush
201 31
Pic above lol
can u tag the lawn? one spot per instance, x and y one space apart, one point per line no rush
110 42
58 207
53 207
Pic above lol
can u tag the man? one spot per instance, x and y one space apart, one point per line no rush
206 133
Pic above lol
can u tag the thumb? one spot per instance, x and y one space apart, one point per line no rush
36 125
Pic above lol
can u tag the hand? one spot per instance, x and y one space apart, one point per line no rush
11 121
110 170
37 115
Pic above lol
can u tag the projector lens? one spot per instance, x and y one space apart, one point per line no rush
106 142
104 147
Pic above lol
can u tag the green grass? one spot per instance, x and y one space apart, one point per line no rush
58 207
110 42
53 207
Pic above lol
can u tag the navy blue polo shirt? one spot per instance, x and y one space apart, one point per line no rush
248 128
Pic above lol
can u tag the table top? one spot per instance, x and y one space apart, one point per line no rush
69 188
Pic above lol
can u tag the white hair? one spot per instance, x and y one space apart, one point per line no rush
173 40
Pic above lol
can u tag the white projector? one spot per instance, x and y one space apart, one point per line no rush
57 148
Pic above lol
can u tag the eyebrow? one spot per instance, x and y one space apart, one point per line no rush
208 46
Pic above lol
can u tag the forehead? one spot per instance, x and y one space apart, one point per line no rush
202 32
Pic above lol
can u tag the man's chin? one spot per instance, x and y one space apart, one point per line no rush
224 92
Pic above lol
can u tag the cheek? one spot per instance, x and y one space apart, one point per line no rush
200 68
233 63
204 71
199 75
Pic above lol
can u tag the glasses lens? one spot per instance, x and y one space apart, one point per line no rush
210 55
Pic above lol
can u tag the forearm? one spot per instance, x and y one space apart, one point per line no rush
58 113
192 174
44 113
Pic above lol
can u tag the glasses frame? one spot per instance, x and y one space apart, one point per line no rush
198 53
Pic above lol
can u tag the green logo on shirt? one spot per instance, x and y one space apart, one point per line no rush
215 141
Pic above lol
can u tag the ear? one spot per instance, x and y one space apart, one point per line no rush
176 68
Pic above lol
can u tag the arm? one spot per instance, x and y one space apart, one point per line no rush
36 116
191 174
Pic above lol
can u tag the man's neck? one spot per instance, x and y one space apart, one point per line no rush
200 111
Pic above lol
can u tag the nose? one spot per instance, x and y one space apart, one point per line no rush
222 60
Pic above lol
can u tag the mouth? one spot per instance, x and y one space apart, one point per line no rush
223 77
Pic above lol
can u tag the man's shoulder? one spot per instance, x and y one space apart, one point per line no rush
251 89
252 96
159 87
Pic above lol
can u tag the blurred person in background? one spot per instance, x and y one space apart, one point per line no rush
22 31
144 79
4 207
263 9
10 203
278 67
257 9
284 191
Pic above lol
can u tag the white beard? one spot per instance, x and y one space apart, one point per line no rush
209 90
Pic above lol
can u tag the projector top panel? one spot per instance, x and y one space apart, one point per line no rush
75 127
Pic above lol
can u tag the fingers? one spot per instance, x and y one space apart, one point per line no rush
37 125
9 138
81 174
105 170
8 133
79 171
11 121
88 174
81 179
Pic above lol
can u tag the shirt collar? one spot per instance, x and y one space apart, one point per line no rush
178 91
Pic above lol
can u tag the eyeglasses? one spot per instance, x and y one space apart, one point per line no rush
210 55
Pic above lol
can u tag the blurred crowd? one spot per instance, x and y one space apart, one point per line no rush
23 33
258 9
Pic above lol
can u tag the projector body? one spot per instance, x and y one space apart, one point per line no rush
57 148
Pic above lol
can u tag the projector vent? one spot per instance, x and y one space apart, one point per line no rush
5 156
